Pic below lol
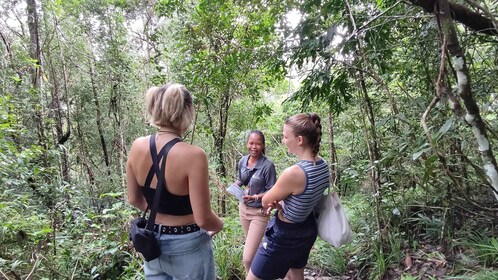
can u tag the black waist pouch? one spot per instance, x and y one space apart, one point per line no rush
144 240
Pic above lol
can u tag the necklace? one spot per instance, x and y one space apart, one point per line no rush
159 132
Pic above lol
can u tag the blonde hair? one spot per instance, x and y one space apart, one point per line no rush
309 126
170 105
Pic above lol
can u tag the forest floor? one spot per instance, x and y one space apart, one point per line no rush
426 263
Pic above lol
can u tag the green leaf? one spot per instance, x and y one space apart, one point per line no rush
420 151
15 79
429 168
446 126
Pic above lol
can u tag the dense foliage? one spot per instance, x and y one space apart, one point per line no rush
407 99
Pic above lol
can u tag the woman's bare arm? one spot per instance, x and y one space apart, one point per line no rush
291 181
198 182
135 196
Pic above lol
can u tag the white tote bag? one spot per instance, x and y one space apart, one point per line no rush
332 223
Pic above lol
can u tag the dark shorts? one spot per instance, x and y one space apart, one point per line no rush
284 246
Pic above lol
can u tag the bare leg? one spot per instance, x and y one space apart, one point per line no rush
295 274
251 276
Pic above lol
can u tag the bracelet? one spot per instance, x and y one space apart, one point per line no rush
257 197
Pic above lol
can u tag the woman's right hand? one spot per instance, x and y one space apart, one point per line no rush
212 233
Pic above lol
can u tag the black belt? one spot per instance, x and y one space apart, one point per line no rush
176 229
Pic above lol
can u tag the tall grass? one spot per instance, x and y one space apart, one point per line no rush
228 247
485 248
324 256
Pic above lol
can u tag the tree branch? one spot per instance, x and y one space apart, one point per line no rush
462 14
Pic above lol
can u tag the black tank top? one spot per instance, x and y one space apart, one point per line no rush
177 205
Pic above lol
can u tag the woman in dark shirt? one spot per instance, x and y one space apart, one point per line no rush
257 173
185 221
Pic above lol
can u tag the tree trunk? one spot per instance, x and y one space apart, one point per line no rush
67 114
34 48
473 20
40 101
84 155
219 134
374 153
472 116
220 143
56 106
36 73
372 143
99 117
333 154
222 131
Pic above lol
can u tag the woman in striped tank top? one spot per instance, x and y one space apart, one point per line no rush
292 232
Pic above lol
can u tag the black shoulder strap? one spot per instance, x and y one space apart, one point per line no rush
246 183
152 170
160 175
250 176
239 167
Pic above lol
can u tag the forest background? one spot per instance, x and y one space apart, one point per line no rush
407 91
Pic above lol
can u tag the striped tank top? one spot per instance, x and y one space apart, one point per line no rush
297 207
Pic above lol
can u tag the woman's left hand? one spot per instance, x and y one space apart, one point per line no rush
271 206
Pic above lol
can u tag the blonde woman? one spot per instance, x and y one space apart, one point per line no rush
185 222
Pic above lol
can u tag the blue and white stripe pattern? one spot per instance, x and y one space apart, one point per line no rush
298 207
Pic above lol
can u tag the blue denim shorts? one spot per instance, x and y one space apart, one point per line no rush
184 256
285 246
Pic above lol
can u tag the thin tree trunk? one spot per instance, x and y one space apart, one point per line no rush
378 79
99 117
59 115
84 156
36 73
35 47
122 156
333 154
374 155
218 134
472 116
220 143
37 87
67 114
121 143
372 143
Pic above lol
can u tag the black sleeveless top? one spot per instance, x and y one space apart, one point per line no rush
177 205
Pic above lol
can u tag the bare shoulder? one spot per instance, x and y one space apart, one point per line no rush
190 151
292 172
140 144
294 179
